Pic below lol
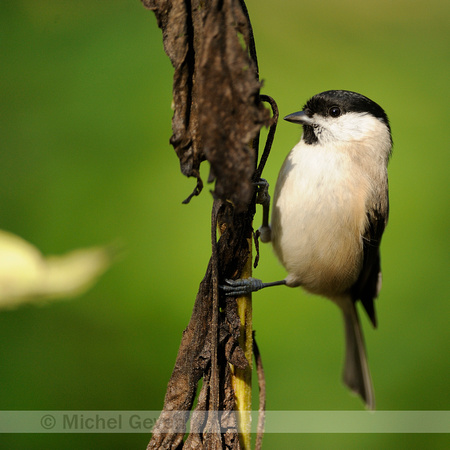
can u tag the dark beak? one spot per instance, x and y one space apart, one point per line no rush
299 117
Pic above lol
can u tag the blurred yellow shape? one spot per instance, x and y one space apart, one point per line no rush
27 276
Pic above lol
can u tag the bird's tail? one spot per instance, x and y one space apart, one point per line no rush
356 374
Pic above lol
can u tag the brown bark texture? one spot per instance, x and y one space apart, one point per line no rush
218 113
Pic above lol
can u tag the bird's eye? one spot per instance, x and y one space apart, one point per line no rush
334 111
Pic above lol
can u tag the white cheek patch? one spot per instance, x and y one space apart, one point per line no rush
349 127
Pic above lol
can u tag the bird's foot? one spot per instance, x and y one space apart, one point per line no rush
262 196
245 286
242 286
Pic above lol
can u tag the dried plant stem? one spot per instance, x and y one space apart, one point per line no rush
242 378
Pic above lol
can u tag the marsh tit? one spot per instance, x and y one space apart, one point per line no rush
330 209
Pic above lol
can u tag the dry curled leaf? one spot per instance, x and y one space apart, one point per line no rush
217 109
217 117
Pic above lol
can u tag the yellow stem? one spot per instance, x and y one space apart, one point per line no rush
242 378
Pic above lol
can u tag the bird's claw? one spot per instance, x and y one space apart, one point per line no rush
262 196
242 286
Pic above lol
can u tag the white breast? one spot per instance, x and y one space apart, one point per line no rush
318 217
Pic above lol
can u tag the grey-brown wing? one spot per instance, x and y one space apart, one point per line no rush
368 284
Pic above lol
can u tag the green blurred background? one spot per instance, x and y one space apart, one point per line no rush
85 159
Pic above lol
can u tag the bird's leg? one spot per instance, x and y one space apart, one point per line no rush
245 286
263 198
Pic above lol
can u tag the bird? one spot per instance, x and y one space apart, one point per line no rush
329 211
